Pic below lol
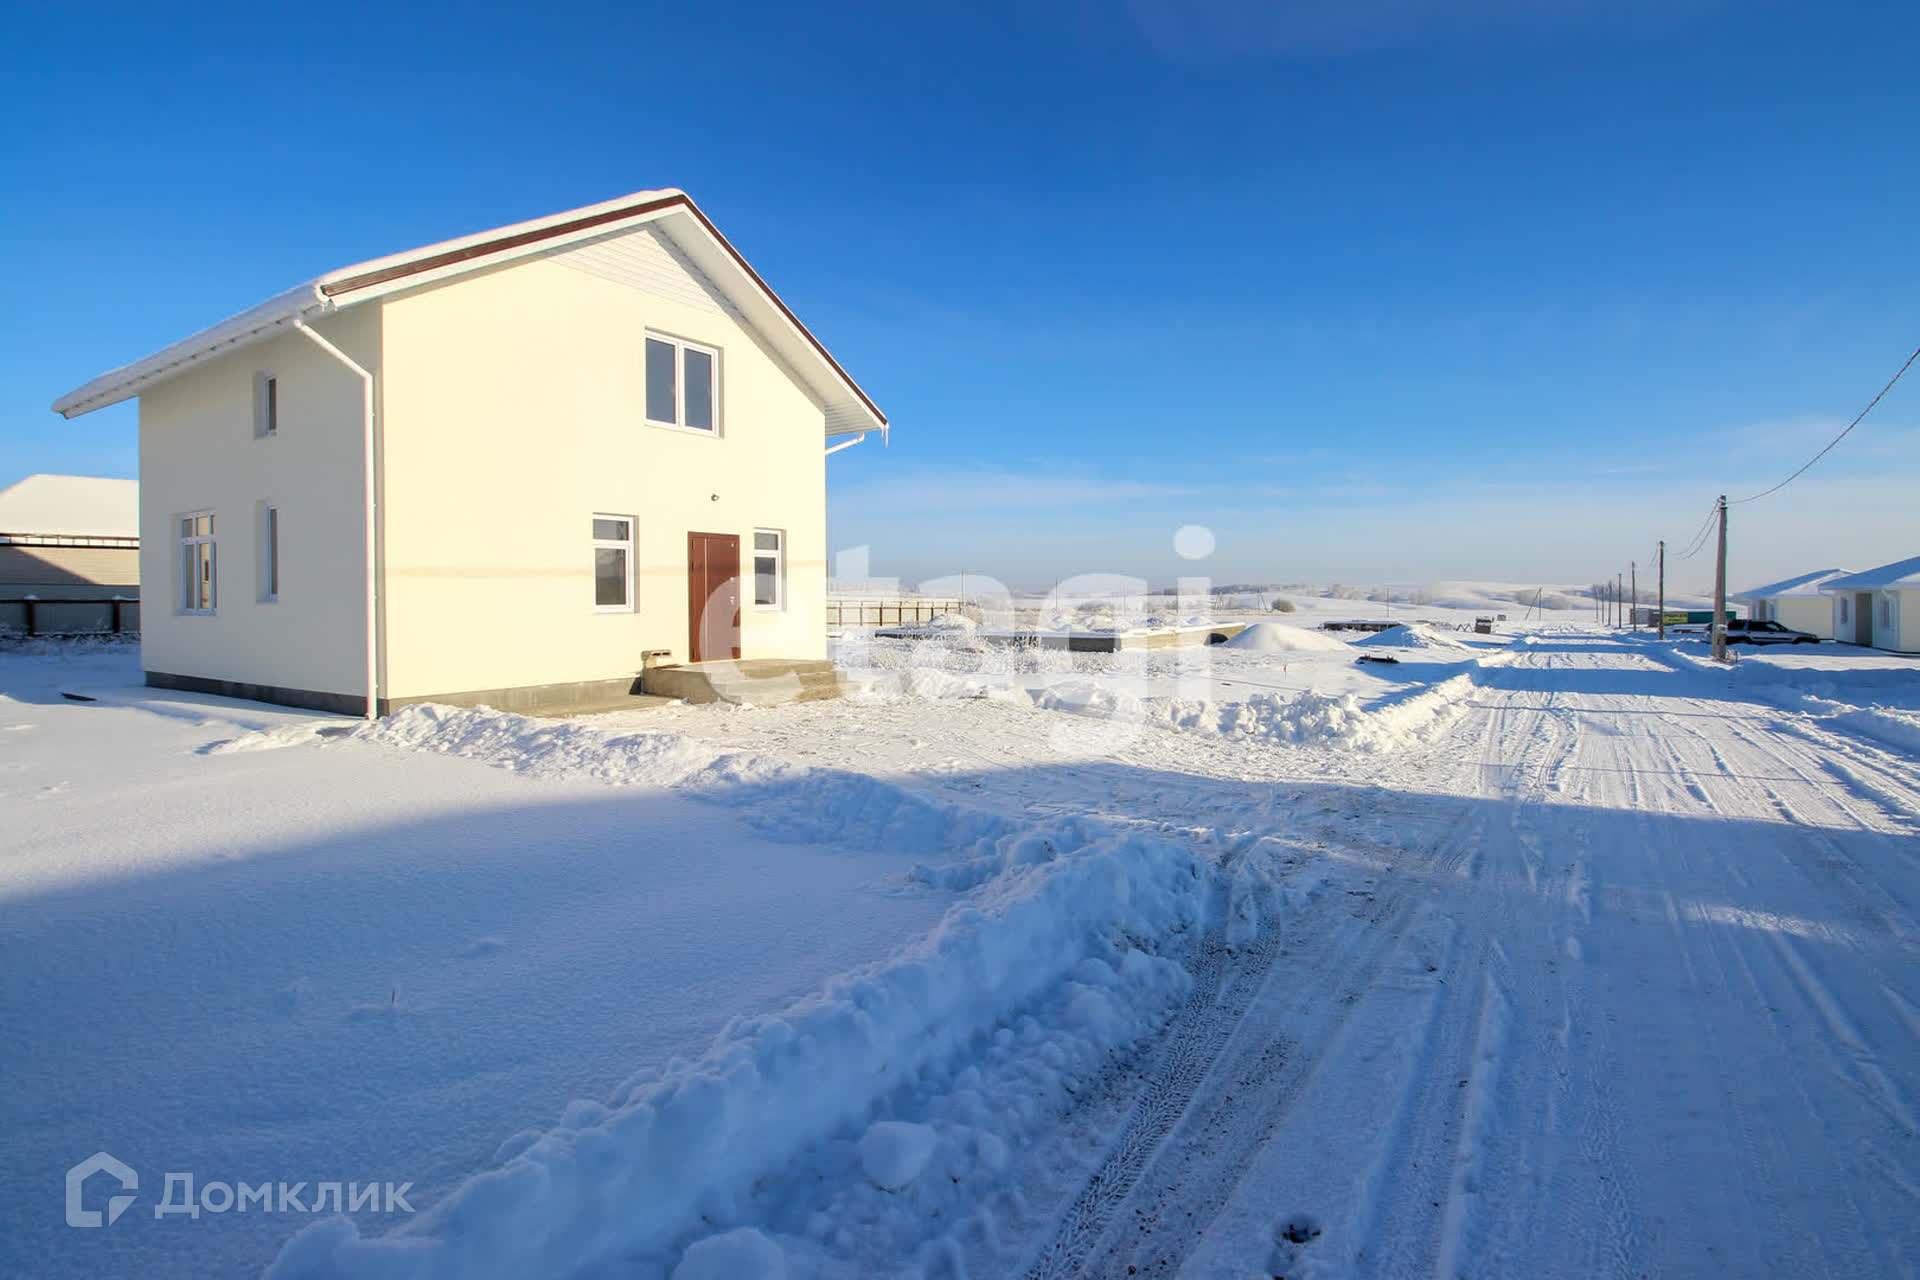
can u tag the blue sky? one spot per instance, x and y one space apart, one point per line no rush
1392 290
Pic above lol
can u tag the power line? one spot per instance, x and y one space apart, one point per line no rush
1837 439
1699 539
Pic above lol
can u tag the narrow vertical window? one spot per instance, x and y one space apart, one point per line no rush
269 554
197 573
683 384
613 563
769 568
266 404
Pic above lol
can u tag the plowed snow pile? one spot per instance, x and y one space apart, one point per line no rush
1414 636
1274 637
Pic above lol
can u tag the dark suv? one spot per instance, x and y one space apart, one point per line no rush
1747 631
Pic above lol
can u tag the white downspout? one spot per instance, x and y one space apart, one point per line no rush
366 462
846 444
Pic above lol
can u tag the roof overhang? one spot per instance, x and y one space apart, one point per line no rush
849 410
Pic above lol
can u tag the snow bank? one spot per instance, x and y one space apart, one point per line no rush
1054 962
1306 717
1411 636
1274 637
1063 948
787 801
1881 702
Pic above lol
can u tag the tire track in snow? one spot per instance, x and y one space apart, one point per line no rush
1223 990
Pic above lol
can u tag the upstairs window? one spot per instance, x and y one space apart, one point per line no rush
266 404
683 384
769 568
197 574
613 564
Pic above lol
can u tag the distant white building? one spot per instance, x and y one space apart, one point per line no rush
1796 602
1880 607
70 554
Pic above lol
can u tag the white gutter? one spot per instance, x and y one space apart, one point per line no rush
366 461
846 444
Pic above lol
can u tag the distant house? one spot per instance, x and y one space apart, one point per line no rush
1880 607
1796 602
516 468
69 555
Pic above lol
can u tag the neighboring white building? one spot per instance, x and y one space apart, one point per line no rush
70 555
507 469
1880 607
1795 602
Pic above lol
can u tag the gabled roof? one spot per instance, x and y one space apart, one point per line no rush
71 507
1806 585
1902 575
673 213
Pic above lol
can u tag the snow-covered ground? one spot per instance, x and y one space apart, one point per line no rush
1551 954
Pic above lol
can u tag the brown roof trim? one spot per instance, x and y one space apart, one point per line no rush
500 245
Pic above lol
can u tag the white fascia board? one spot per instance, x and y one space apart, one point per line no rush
255 324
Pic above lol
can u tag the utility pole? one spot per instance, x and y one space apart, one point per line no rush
1720 590
1633 605
1619 597
1663 588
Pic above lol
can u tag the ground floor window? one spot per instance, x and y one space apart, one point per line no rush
269 553
197 575
1843 610
769 568
613 563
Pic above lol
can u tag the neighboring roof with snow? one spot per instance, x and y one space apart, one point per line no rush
1901 575
673 213
71 507
1806 585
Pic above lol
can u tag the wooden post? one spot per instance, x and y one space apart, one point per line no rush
1720 590
1663 589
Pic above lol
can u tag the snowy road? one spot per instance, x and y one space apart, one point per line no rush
1594 967
1637 998
1615 976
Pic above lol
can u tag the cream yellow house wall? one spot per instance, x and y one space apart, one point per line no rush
1812 614
199 452
512 413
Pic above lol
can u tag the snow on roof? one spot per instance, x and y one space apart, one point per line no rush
1903 575
849 410
71 506
1803 585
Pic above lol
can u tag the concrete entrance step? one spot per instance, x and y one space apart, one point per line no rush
763 682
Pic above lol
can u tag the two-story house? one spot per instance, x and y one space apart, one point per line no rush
513 468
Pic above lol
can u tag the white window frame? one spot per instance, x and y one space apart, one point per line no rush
629 545
1845 612
779 570
680 348
210 540
266 404
268 551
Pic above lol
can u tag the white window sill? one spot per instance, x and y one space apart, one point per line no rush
196 613
711 433
614 608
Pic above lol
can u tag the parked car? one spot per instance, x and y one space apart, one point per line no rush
1748 631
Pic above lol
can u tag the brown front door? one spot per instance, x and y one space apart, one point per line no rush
713 596
1863 618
